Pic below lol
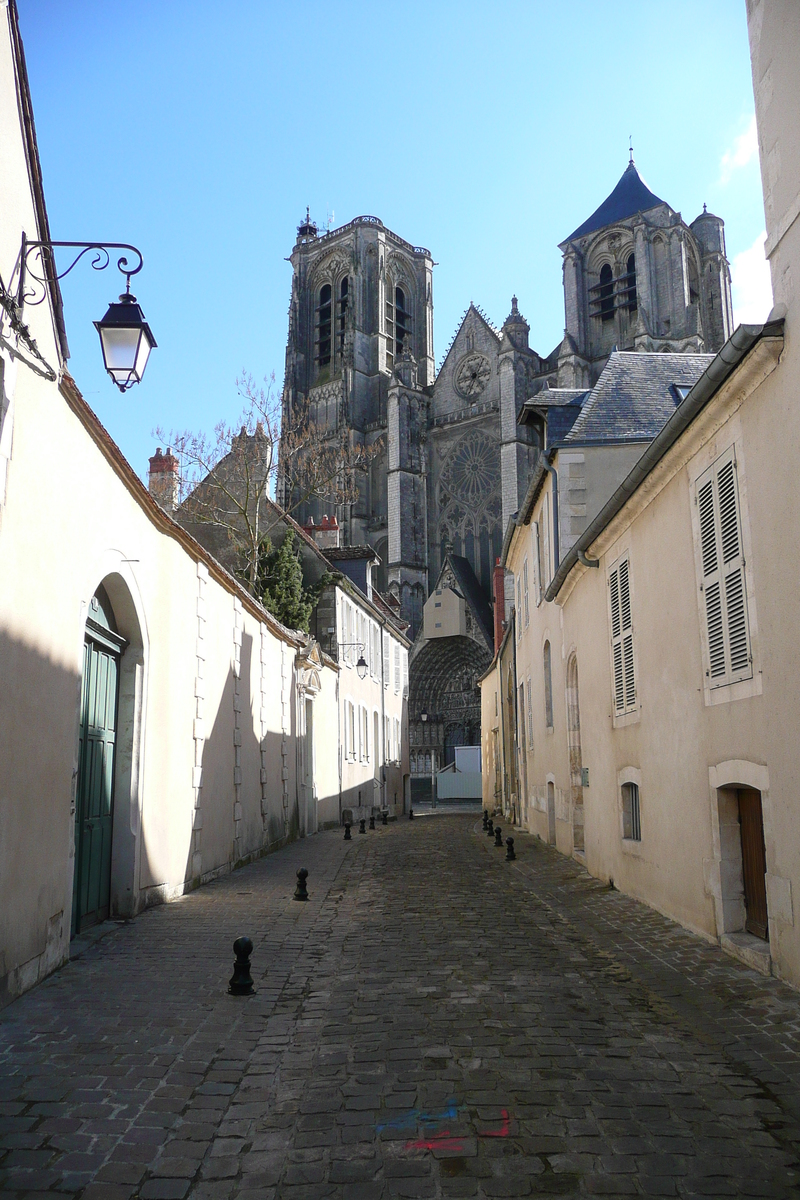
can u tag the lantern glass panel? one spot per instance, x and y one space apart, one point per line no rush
143 354
119 349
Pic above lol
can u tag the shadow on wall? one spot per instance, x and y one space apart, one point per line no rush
39 702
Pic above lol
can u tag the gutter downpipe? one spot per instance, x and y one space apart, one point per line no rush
556 556
587 562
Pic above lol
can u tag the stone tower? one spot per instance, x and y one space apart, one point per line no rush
361 304
637 277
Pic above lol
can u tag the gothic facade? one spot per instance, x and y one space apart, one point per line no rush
454 459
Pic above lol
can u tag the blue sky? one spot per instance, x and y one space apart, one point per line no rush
486 132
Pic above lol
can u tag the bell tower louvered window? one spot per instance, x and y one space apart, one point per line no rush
606 293
723 577
619 587
344 296
630 284
402 320
323 346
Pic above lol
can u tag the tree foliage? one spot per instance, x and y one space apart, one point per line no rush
228 478
280 583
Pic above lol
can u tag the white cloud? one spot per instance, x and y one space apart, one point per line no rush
751 284
741 153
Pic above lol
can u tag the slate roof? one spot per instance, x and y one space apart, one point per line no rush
630 196
635 396
473 594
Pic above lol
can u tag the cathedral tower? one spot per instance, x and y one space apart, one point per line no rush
361 300
637 277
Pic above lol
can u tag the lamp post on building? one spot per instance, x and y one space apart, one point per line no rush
361 665
125 337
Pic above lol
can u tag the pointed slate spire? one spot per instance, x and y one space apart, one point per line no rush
630 196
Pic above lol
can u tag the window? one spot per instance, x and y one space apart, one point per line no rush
387 735
624 685
722 565
630 284
344 295
402 320
530 718
631 814
396 669
548 687
324 327
404 664
350 729
525 592
364 746
606 293
389 328
519 607
386 664
397 740
521 716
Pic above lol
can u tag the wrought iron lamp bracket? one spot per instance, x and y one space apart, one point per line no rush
49 274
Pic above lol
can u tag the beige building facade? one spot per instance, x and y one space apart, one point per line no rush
158 727
656 660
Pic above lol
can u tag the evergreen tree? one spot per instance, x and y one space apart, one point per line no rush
280 583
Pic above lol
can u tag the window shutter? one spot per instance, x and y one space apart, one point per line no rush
396 669
622 638
537 562
723 584
404 660
530 718
525 591
386 667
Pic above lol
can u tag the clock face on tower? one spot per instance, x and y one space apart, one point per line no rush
472 375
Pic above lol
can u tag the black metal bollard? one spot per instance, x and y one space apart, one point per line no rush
385 816
362 825
490 827
411 814
510 855
485 818
347 836
498 837
372 820
241 981
301 891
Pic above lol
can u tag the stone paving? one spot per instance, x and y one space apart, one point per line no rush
434 1022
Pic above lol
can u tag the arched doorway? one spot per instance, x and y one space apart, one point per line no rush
575 761
97 744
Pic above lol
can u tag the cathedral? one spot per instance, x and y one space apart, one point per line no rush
456 446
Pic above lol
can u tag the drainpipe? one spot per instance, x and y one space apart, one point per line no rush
587 562
549 467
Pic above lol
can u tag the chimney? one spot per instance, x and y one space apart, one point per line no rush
326 534
162 480
499 604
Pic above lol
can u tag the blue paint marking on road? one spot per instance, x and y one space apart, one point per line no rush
416 1116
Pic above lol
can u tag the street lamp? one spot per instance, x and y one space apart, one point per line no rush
361 665
125 337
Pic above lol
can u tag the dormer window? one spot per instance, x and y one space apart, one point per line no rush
630 285
606 293
344 296
323 314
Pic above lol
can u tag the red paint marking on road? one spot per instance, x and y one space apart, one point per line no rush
503 1132
438 1141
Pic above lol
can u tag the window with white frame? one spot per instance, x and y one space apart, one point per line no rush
728 651
530 717
631 813
397 669
397 745
387 737
350 729
521 716
525 600
538 572
364 730
548 685
621 618
519 606
386 661
404 670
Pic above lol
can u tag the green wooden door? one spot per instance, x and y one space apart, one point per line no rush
94 801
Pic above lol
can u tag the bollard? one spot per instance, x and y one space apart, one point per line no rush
498 837
510 855
490 827
301 891
385 816
362 825
411 814
372 820
485 818
241 981
347 836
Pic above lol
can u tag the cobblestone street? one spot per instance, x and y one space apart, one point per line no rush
434 1022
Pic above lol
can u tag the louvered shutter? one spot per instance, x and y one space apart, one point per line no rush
385 660
537 562
722 565
622 638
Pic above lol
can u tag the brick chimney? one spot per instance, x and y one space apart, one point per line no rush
499 604
162 480
326 534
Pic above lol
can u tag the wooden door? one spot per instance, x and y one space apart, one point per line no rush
754 862
94 800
